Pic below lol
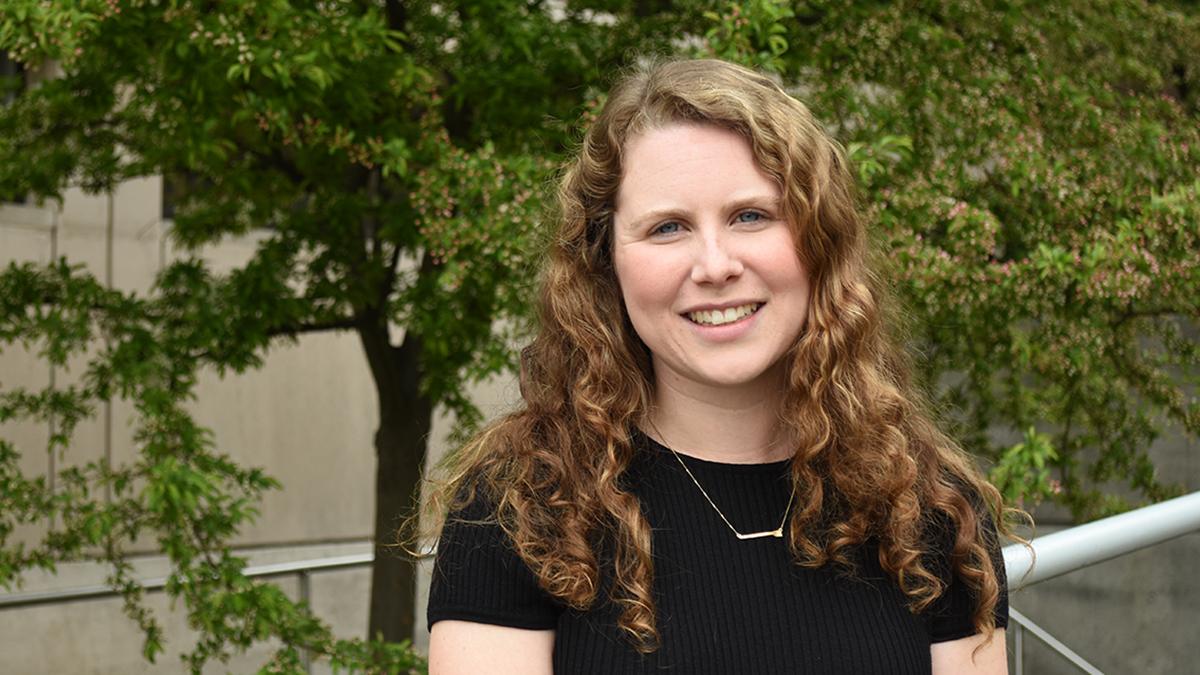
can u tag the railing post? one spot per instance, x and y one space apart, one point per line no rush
306 598
1052 642
1019 648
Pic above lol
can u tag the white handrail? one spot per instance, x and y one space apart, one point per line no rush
156 583
1085 545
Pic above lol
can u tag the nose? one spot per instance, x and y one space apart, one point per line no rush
715 261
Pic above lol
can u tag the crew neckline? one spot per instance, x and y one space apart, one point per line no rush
729 467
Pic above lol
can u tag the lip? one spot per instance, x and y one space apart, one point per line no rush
723 306
726 332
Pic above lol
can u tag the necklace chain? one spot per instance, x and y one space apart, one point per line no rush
777 532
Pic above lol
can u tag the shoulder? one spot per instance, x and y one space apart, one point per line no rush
478 576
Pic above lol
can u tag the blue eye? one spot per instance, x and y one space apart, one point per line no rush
664 228
750 217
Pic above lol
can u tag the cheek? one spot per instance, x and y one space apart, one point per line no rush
648 297
645 284
644 302
784 267
789 279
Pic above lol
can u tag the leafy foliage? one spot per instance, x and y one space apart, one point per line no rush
1029 169
1046 272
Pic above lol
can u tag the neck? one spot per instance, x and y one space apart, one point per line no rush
729 425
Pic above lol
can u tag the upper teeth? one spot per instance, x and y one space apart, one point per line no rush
717 317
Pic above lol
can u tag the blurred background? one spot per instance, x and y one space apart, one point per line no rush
265 263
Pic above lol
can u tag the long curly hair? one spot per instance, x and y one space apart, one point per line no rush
869 462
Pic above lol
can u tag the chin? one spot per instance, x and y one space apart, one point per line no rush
734 379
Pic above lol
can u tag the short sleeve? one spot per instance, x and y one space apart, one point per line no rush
950 615
477 576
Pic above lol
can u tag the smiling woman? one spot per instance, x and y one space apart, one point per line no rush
721 465
720 296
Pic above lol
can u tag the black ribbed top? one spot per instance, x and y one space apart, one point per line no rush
724 605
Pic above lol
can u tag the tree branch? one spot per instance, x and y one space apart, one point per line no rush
1130 314
292 330
397 15
389 278
277 161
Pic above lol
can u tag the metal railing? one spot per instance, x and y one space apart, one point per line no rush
1055 554
1085 545
302 568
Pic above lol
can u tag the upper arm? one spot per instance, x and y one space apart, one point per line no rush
468 648
950 616
957 657
487 612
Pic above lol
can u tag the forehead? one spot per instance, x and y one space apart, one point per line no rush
690 163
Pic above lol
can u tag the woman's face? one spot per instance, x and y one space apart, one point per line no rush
698 227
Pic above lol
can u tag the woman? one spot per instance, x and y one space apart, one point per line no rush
720 466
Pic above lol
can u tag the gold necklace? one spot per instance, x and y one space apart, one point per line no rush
777 532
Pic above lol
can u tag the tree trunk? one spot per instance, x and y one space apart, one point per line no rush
405 418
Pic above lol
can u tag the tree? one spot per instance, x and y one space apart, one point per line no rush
1030 170
393 152
1041 214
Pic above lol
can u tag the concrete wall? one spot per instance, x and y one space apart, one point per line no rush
326 464
308 416
323 380
1135 614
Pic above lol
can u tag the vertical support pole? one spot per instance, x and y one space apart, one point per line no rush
109 236
51 459
163 233
306 598
1019 648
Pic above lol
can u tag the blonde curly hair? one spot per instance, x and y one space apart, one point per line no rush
868 460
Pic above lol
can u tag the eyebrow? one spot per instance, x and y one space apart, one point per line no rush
656 216
760 201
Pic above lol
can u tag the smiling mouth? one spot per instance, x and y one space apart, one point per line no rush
723 317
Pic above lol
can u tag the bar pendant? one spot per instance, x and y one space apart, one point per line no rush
777 533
